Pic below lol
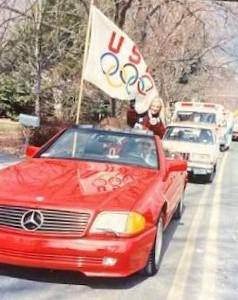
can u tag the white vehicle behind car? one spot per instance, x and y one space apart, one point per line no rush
235 130
203 112
227 130
195 142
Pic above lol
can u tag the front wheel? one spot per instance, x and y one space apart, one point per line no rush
179 209
210 177
223 148
153 263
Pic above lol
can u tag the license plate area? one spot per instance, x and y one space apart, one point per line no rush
199 172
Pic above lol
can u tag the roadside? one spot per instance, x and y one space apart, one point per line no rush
11 141
11 138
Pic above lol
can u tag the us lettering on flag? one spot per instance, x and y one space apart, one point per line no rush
115 64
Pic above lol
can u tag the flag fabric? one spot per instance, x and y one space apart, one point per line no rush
115 64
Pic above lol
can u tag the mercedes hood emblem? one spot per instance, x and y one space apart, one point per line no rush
32 220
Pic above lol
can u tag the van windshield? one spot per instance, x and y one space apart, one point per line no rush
194 116
188 134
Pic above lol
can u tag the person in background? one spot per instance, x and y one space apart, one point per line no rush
149 120
132 115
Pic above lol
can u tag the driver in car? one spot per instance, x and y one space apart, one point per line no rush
147 151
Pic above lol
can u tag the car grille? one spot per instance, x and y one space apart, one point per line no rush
185 155
54 221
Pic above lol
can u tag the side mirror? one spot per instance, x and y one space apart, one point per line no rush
31 151
176 165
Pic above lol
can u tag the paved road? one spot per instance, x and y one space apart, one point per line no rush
199 262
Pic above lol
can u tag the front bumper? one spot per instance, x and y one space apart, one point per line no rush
198 168
86 255
222 142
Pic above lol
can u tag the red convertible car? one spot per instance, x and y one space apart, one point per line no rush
92 201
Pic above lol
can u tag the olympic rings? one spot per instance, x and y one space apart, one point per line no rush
135 77
109 81
142 81
127 75
103 184
116 66
129 84
115 182
99 182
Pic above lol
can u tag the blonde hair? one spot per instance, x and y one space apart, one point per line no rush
157 99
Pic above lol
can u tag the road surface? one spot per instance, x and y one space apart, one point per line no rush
199 261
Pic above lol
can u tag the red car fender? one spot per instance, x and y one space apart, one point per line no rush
152 206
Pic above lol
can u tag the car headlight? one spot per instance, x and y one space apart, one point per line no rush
118 223
200 157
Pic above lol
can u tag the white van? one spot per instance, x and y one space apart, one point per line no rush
203 112
197 143
228 127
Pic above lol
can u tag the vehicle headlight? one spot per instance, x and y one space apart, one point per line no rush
118 223
200 157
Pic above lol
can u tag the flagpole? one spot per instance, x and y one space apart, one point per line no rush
80 95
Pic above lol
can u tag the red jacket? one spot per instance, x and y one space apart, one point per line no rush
133 118
158 129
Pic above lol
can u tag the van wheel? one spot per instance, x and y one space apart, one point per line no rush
153 263
222 148
210 177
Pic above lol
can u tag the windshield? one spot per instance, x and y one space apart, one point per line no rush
187 134
104 146
204 117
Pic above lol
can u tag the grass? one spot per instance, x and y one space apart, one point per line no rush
7 125
10 136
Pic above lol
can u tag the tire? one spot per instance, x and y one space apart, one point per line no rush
153 263
222 148
209 178
179 210
226 148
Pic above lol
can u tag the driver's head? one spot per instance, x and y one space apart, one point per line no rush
144 146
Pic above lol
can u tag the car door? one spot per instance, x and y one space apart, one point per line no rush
179 185
173 188
168 191
173 181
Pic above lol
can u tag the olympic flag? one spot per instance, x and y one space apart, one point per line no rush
115 64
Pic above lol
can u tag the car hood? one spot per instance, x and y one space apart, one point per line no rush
75 184
184 147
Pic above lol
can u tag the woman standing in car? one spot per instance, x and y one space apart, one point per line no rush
149 120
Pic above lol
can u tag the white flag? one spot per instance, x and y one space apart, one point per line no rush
116 66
